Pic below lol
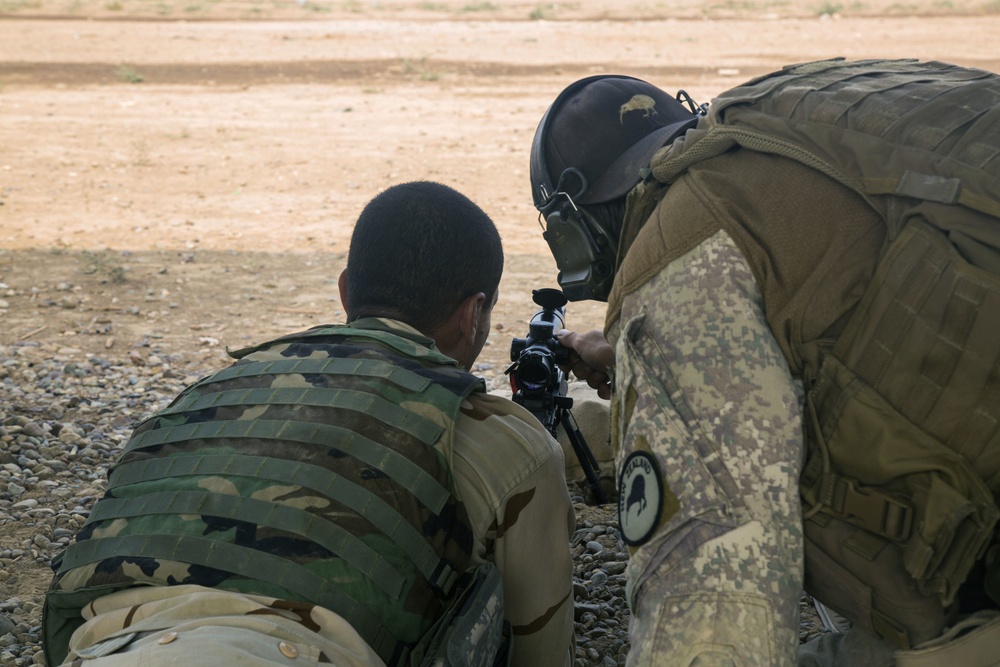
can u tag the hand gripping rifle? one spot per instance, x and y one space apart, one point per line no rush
539 384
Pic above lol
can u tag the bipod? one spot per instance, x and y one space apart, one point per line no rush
591 470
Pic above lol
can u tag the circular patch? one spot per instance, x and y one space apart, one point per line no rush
640 498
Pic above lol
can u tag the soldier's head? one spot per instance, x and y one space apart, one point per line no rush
425 254
589 151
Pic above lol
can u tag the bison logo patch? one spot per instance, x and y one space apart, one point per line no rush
640 499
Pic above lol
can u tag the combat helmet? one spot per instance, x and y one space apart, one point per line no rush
590 147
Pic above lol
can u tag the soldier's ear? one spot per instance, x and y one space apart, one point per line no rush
457 336
342 287
471 317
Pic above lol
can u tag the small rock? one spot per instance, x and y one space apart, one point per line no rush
598 577
34 430
616 567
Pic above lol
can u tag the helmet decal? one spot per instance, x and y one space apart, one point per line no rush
638 103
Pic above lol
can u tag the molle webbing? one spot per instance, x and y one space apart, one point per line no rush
429 491
381 414
924 130
373 406
924 340
950 317
349 366
290 473
324 533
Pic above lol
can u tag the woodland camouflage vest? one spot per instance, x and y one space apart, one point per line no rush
904 445
315 469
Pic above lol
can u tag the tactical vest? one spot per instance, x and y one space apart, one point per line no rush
903 466
315 469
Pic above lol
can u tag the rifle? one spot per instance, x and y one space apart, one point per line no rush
539 384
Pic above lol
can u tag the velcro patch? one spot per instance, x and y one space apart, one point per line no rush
640 500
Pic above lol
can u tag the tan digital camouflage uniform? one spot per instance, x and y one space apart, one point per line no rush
703 388
510 476
729 289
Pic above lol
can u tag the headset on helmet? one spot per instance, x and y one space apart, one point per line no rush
590 147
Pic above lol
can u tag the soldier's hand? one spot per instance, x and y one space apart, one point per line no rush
591 358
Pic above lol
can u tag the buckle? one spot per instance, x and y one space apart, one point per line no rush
876 511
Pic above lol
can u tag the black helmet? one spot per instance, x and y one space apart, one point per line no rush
599 134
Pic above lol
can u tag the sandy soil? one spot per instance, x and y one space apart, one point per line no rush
177 171
178 177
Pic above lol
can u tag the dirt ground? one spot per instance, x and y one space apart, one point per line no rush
181 176
185 175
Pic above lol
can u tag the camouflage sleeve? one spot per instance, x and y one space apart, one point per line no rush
709 431
511 475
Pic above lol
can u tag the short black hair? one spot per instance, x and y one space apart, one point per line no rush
417 251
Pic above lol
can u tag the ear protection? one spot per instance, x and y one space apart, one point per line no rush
583 248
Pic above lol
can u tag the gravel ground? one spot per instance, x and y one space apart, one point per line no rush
64 416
